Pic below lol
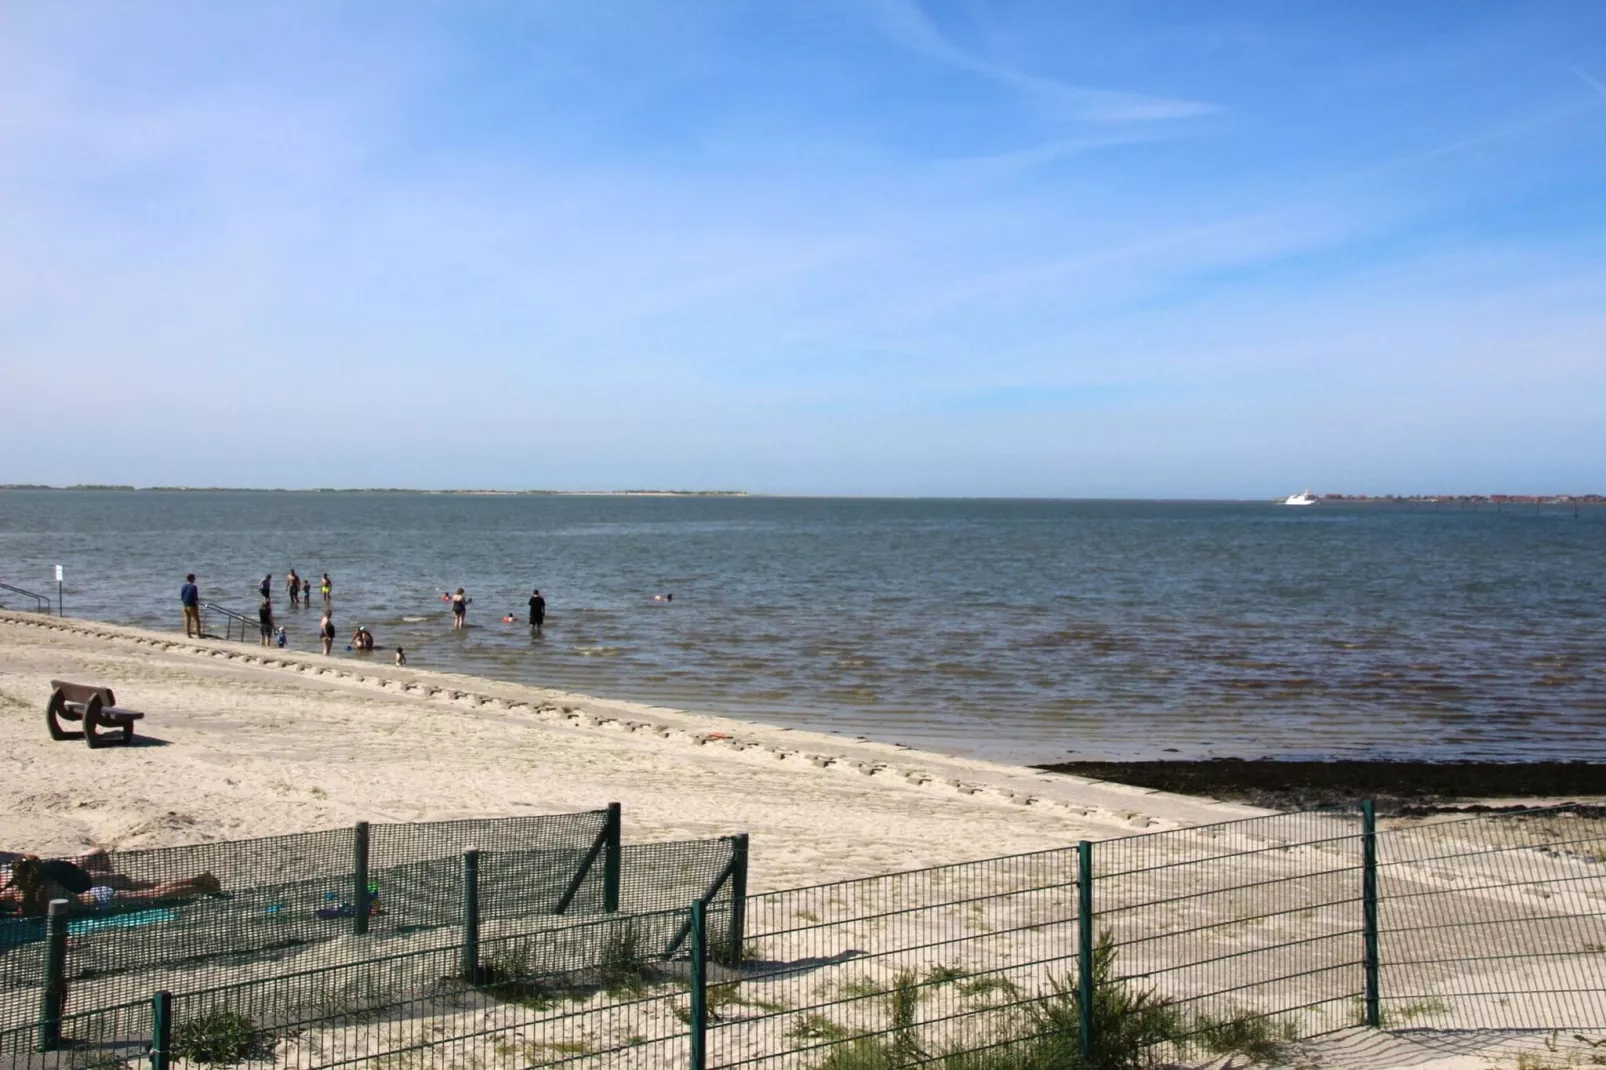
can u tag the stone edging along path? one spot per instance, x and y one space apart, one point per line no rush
1116 805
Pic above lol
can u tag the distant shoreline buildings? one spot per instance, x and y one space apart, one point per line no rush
1473 499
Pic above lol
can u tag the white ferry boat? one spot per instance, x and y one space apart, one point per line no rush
1300 499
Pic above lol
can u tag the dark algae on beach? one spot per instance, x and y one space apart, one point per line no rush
1395 785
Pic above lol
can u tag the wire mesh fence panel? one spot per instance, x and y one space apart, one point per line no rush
179 907
399 844
667 876
1496 921
898 969
1246 933
589 993
192 916
100 1039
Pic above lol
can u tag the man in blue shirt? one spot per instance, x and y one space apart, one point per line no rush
190 596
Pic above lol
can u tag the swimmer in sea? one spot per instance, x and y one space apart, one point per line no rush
401 656
663 598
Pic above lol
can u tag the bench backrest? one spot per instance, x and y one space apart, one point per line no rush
84 692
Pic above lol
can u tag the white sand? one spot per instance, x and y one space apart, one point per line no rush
264 742
259 742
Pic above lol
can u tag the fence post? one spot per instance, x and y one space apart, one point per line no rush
699 986
738 933
161 1030
1084 947
359 869
471 914
610 860
1374 1016
53 996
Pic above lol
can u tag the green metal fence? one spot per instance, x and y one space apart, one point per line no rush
349 895
1252 939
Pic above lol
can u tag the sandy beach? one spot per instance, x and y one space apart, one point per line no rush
242 741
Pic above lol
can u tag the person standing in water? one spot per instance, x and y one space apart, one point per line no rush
326 629
401 656
459 609
328 588
265 588
537 610
265 620
293 583
189 597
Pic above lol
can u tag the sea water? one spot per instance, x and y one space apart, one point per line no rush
1023 630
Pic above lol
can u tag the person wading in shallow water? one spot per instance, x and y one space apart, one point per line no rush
326 629
537 609
190 596
292 583
459 608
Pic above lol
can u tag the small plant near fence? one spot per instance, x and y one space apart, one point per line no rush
218 1038
1133 1028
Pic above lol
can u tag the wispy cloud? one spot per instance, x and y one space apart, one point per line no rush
1592 82
906 23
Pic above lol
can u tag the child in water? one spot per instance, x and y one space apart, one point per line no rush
401 657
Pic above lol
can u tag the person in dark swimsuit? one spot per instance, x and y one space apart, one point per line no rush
326 630
265 621
459 608
88 881
537 609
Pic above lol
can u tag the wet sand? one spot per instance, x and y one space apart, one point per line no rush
1397 787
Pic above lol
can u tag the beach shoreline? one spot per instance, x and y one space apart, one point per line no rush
243 741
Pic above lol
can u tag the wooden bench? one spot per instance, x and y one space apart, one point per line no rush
96 707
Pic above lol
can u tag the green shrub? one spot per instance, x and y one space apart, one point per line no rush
624 969
216 1037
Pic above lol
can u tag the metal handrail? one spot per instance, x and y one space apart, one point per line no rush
43 603
247 624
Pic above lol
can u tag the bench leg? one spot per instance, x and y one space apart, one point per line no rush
53 714
92 734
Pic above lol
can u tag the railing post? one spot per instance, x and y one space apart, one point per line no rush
53 996
738 933
699 986
1084 947
359 870
161 1030
471 914
1374 1015
612 852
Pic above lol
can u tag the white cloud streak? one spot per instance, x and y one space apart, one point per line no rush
906 24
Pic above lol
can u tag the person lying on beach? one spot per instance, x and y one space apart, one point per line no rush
88 881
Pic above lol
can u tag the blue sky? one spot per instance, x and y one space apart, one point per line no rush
838 246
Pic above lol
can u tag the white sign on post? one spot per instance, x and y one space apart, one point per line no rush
58 573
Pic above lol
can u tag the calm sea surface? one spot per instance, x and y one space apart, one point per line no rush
1021 630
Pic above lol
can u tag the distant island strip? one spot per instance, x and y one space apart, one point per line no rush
1385 499
385 490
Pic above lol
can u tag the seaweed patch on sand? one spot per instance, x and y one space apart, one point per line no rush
1396 786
